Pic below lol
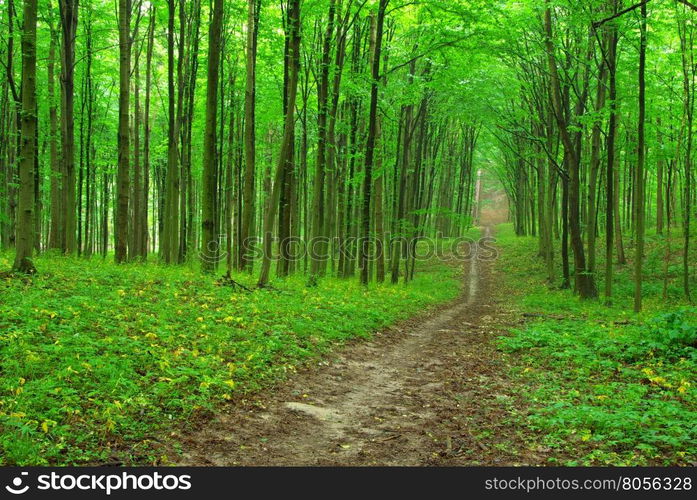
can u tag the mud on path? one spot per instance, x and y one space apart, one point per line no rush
429 391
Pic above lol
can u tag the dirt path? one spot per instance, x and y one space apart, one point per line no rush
431 391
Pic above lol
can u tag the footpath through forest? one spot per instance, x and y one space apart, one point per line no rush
430 391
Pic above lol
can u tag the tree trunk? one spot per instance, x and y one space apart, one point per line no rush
376 42
68 13
56 231
25 223
246 256
585 282
146 137
169 246
286 156
122 182
641 149
208 237
318 246
660 163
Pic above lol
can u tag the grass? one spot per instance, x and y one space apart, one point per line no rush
98 360
604 386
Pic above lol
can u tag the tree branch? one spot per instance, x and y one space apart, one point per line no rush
598 24
688 4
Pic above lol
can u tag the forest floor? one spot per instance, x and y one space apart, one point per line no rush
432 390
145 364
516 371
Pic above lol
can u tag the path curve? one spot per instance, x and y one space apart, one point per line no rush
428 391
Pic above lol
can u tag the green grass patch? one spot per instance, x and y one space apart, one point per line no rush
604 385
97 359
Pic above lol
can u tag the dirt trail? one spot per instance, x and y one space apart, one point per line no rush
430 391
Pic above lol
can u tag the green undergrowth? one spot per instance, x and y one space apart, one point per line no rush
97 360
604 385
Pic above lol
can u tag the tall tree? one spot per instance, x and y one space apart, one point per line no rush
56 232
610 191
376 36
25 225
585 281
122 182
146 135
169 246
318 246
245 256
209 185
292 60
68 15
641 149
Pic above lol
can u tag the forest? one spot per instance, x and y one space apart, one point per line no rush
217 209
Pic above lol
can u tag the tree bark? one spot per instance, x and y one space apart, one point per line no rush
68 13
56 230
641 148
208 236
317 245
376 35
25 223
122 181
585 282
246 257
286 155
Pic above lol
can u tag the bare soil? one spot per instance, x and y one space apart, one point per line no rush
429 391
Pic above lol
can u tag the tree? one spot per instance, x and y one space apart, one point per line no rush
25 225
292 60
209 240
122 183
244 244
56 232
143 252
68 15
170 234
376 37
585 281
641 151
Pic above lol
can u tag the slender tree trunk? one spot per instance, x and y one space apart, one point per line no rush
379 208
25 224
286 155
660 163
688 86
595 161
229 177
641 148
137 244
169 245
146 137
56 231
89 182
122 182
68 13
246 257
585 282
208 237
14 143
317 246
611 193
179 235
376 42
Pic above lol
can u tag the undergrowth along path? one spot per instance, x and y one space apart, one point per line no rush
428 391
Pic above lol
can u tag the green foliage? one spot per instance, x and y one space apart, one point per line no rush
604 386
98 359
